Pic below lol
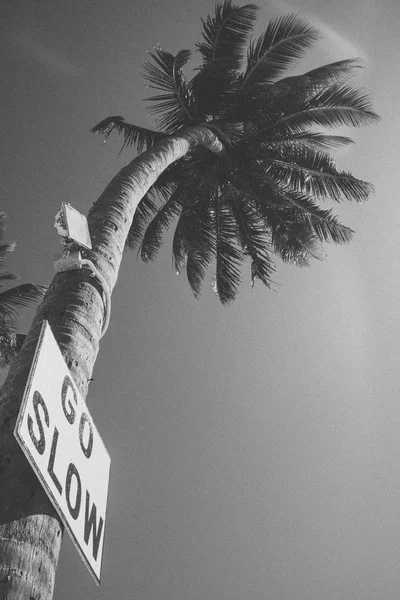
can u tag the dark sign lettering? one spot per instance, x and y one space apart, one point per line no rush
87 450
40 444
73 510
90 523
68 386
50 466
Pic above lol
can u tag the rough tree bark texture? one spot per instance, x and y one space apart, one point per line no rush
30 529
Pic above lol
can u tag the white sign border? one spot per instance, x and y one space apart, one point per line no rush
31 460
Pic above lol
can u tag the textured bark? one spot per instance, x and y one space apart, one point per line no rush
30 529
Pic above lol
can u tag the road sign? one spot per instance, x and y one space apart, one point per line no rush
57 434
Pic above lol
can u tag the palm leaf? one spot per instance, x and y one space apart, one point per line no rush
16 298
225 34
202 245
253 235
194 238
153 236
334 106
10 344
314 80
289 95
353 106
147 208
229 256
284 41
333 72
307 139
295 243
179 249
292 235
223 49
144 211
176 105
325 225
11 302
139 137
313 172
296 225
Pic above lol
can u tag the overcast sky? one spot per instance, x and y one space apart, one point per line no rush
255 448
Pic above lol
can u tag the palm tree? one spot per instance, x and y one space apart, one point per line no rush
240 161
11 302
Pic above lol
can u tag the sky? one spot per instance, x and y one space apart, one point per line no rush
255 448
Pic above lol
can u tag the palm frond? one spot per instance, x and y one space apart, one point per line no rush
325 225
253 234
313 81
144 211
11 303
10 345
147 207
290 94
352 105
225 34
229 256
292 235
179 249
17 298
153 236
202 252
307 139
309 171
161 190
334 106
333 72
194 238
296 243
296 224
139 137
284 41
175 106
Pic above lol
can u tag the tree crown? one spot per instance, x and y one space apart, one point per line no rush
260 198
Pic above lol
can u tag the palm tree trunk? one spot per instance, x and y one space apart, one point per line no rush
30 529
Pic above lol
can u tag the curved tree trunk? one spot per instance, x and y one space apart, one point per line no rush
30 529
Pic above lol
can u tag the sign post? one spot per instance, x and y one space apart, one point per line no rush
60 440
